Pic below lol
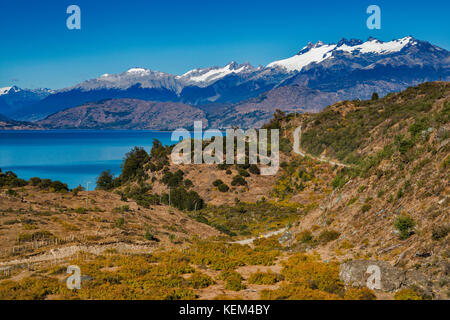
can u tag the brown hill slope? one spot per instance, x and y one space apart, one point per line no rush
393 202
126 114
390 206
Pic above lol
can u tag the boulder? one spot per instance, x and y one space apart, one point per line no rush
379 275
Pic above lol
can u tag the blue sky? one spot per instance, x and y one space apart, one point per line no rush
37 49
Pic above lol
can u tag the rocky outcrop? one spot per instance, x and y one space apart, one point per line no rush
380 275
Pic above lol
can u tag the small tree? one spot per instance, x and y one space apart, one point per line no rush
375 96
105 181
132 166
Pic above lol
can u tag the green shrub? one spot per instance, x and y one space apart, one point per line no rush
188 183
105 180
233 280
328 235
407 294
76 190
440 232
184 200
405 225
223 187
119 222
34 181
238 180
173 180
217 182
243 172
10 179
149 236
81 210
133 164
264 278
199 280
305 237
254 169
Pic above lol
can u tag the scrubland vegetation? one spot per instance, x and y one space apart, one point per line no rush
389 203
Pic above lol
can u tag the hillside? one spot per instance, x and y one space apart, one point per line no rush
372 190
125 114
9 124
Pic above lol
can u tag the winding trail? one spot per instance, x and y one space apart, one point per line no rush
266 235
297 140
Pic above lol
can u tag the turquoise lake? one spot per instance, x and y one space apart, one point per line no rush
72 156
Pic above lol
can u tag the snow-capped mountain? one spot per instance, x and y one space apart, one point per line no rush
8 90
318 52
353 68
145 77
13 98
207 76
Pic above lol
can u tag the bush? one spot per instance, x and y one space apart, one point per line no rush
199 280
132 166
34 181
339 181
217 182
149 236
188 183
122 209
305 237
439 232
366 208
76 190
254 169
328 235
407 294
233 280
359 294
105 181
173 180
375 96
58 186
238 181
223 187
184 200
10 179
119 222
311 273
405 225
264 278
81 210
243 172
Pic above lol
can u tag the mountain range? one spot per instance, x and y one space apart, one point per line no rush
243 95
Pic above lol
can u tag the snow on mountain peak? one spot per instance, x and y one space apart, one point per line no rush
311 53
215 73
4 90
376 46
320 51
7 90
138 71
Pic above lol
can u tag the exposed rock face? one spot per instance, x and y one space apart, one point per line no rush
357 273
362 273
